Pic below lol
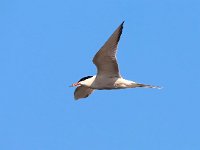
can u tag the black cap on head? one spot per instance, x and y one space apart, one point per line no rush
84 78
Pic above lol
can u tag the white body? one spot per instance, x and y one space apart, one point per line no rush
105 83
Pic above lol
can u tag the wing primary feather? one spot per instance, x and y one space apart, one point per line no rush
105 59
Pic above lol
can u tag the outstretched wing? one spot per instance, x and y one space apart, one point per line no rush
82 92
105 59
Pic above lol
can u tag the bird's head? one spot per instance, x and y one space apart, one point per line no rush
79 83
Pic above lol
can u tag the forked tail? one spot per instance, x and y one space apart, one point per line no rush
148 86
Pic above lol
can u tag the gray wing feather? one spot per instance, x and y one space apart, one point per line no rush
82 92
105 59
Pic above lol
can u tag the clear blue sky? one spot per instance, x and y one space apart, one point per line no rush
47 45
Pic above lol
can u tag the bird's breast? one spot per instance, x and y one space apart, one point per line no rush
109 83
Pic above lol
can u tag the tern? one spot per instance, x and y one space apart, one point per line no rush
108 76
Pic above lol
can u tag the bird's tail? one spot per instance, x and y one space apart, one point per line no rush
148 86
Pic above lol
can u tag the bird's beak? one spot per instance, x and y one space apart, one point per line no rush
75 84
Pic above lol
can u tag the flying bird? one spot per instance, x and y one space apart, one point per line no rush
108 76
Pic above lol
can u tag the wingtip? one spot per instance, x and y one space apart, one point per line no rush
122 23
76 98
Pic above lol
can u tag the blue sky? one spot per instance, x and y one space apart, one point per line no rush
48 45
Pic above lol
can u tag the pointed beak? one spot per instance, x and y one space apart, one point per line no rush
75 84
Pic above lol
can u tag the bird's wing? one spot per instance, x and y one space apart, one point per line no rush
82 92
105 59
